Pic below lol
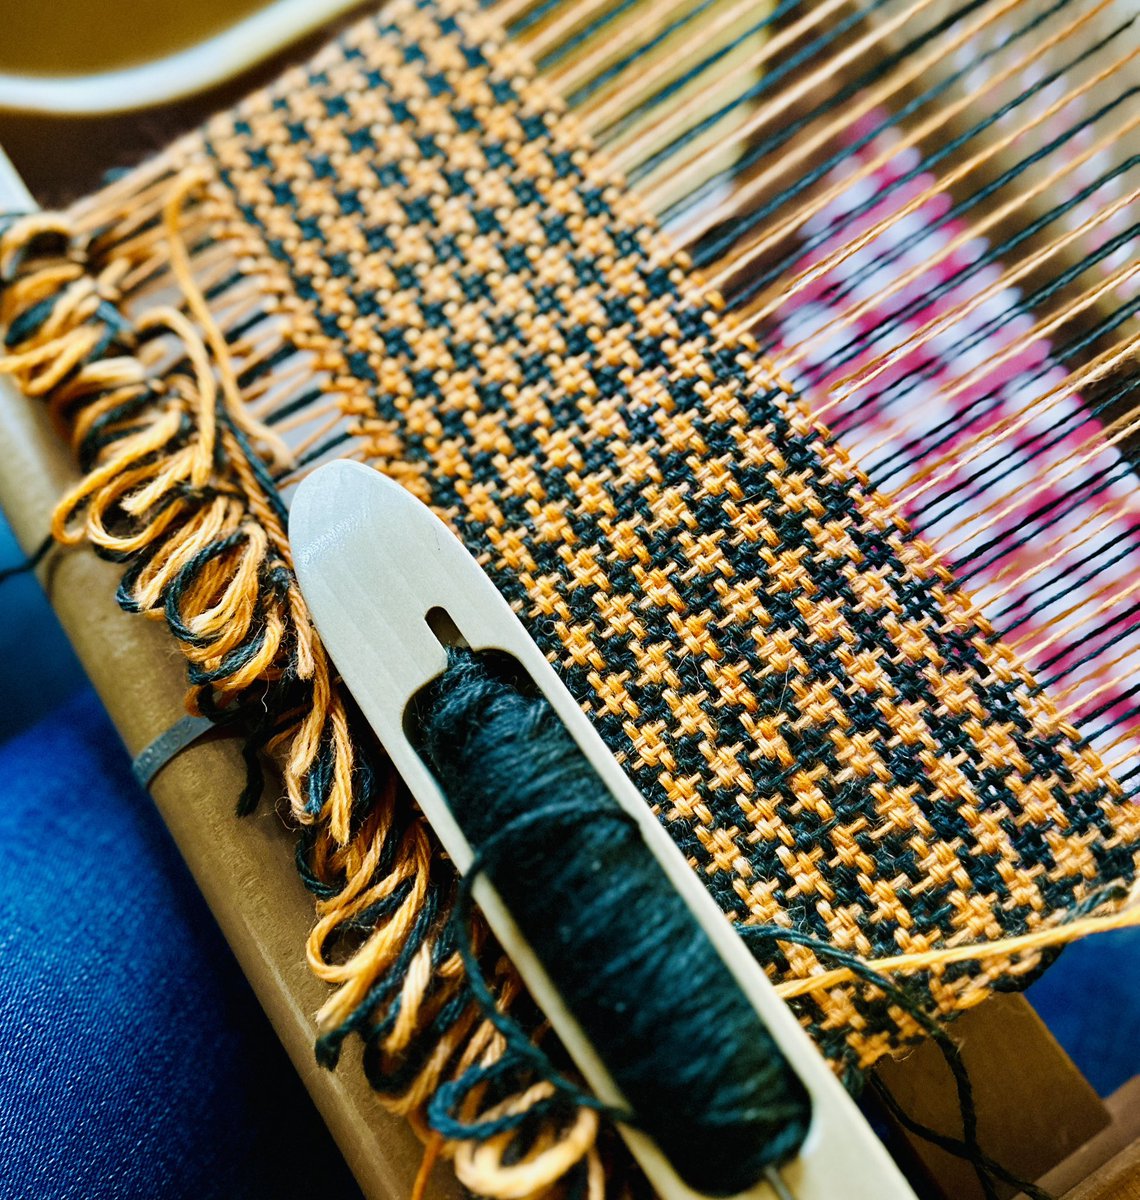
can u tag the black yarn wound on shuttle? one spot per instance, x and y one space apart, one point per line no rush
698 1069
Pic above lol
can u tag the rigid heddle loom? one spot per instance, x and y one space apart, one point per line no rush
776 362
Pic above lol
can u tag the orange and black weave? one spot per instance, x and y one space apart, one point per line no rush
407 252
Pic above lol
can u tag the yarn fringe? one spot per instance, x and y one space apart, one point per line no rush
147 326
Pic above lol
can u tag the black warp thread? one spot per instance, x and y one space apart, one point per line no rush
699 1070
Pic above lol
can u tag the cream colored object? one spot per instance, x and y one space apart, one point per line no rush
177 75
14 196
372 562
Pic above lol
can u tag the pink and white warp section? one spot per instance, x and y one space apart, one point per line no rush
963 410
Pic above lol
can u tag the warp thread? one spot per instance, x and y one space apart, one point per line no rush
700 1071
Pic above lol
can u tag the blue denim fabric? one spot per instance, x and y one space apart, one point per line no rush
1090 999
134 1059
38 670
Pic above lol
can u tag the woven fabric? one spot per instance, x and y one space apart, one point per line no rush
417 260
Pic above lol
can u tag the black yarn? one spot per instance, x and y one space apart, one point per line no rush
30 563
522 1059
764 941
699 1070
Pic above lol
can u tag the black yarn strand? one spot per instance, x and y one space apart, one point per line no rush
30 563
763 938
